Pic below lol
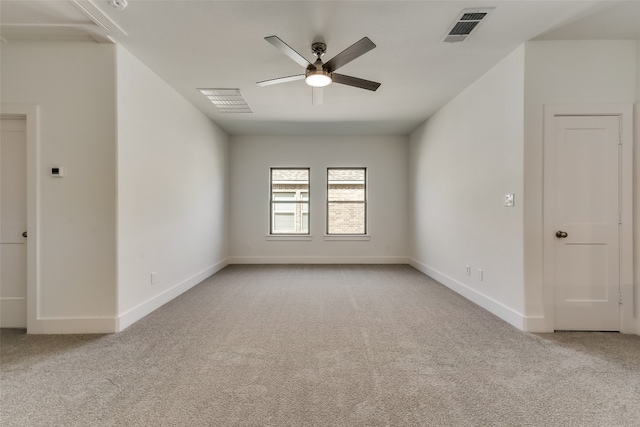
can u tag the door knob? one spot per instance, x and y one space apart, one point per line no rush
561 234
24 234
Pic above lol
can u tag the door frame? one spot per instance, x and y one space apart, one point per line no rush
625 113
30 113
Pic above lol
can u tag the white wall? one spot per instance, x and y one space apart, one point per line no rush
464 159
74 85
386 161
565 72
172 192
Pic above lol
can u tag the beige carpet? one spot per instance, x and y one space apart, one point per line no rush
320 346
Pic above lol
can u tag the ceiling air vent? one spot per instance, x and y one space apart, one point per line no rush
467 21
227 100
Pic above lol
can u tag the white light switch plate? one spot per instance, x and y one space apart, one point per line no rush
508 200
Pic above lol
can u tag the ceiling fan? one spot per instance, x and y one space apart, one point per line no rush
319 74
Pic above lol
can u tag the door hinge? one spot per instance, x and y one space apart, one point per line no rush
619 139
619 218
619 297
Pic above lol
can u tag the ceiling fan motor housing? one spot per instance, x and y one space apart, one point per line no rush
318 49
315 74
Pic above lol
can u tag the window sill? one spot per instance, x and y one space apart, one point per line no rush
290 237
347 237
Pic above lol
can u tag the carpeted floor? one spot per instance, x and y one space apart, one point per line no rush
317 345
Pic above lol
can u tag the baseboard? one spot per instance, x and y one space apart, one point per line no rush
75 325
13 312
133 315
536 325
318 260
500 310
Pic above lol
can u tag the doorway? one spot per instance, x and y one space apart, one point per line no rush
28 114
587 203
13 223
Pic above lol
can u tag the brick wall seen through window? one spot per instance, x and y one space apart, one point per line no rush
346 201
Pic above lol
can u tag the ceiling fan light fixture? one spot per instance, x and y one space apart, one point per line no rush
318 78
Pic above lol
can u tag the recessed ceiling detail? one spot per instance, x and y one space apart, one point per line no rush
467 21
227 100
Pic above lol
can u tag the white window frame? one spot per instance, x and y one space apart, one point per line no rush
297 200
348 236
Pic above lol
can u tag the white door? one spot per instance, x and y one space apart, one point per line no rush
13 223
586 217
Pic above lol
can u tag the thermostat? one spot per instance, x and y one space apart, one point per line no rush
57 171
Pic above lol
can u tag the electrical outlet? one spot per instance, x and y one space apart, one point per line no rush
154 278
467 269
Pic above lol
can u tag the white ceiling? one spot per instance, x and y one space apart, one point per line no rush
220 44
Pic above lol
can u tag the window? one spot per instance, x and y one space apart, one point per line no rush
289 201
346 201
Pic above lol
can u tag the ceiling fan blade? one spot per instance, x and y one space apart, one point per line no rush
354 81
349 54
281 80
287 50
317 96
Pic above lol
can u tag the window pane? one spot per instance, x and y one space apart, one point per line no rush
346 184
346 218
290 175
346 201
348 192
284 207
289 180
289 201
284 196
346 175
283 223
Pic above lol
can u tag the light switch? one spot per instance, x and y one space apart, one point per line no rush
508 200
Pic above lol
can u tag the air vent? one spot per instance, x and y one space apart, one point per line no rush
466 22
476 16
227 100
